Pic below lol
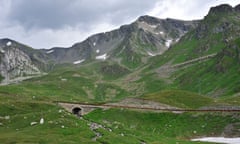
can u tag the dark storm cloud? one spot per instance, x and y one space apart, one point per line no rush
50 23
55 14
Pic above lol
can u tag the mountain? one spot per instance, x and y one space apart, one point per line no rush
209 55
149 54
18 60
128 45
151 64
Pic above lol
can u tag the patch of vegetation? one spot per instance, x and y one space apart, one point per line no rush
58 126
153 84
109 92
217 77
113 71
131 59
180 98
150 127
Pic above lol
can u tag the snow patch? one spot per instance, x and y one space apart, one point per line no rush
150 54
48 52
219 140
9 43
160 33
94 44
153 26
97 51
102 57
168 43
79 61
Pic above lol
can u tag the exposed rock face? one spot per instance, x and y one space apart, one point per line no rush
237 8
14 62
224 8
130 45
146 37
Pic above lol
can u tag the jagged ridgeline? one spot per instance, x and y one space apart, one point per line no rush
146 56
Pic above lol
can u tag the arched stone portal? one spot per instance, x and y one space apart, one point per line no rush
77 111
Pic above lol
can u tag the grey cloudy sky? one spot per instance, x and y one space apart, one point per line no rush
49 23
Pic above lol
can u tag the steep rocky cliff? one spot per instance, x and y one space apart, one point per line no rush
16 60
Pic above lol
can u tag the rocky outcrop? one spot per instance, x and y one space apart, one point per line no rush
224 8
237 8
14 62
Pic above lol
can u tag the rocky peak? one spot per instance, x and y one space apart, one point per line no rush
237 8
148 19
6 42
224 8
18 60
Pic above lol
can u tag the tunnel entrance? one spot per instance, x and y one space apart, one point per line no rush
77 111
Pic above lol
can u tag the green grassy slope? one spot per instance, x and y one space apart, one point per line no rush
126 126
59 126
217 34
134 127
89 83
179 98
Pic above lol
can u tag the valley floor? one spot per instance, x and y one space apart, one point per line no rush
20 123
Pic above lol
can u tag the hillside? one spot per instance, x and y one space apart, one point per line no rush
122 63
217 39
130 45
18 60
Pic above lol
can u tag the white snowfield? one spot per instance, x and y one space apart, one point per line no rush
168 43
97 51
94 44
79 61
9 43
102 57
48 52
219 140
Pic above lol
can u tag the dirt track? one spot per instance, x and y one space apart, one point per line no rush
148 105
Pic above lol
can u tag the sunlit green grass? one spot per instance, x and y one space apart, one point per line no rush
179 98
157 127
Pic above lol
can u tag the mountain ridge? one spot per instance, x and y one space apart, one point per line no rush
140 53
123 45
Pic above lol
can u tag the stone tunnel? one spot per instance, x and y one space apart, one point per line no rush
78 109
